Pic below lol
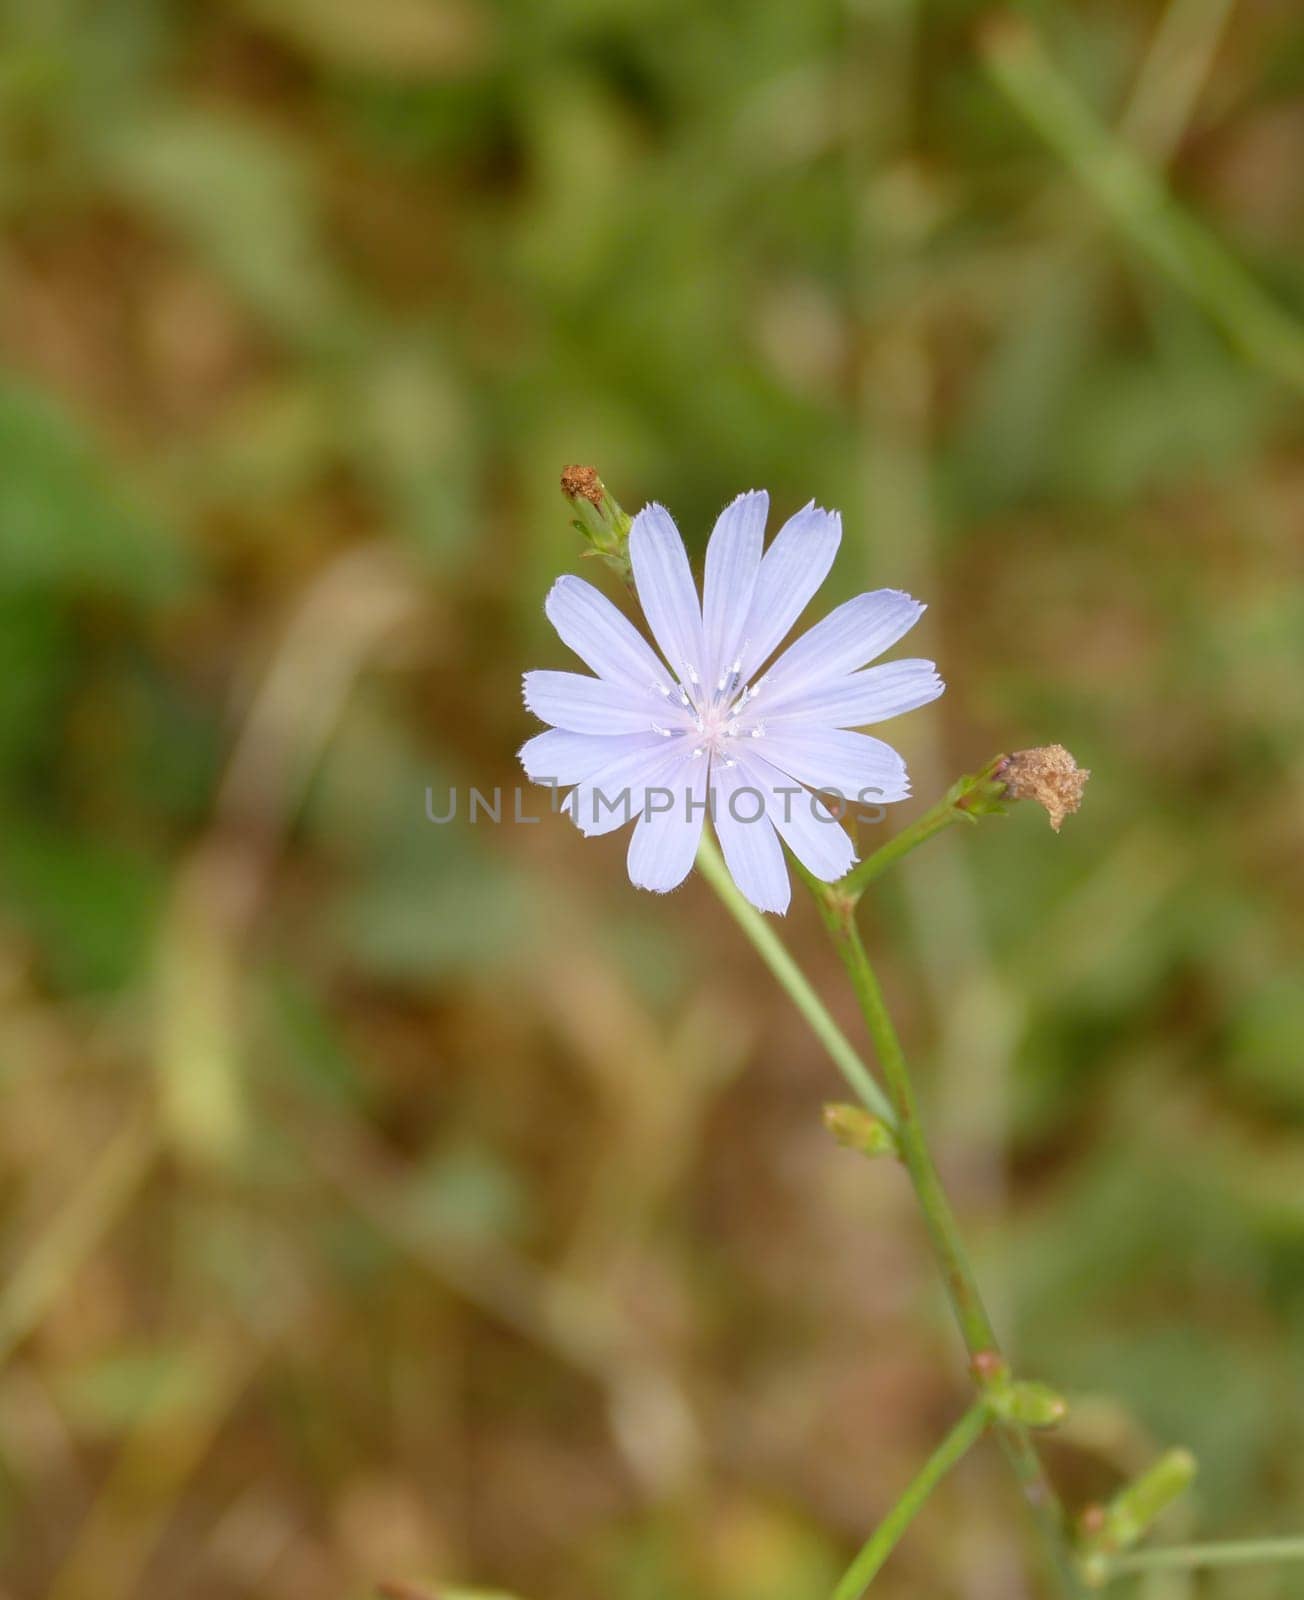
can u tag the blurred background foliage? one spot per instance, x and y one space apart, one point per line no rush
386 1202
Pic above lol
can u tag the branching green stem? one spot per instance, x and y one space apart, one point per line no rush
900 1112
791 978
934 820
987 1363
885 1538
979 794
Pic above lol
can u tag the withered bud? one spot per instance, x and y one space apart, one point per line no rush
598 517
1048 775
582 483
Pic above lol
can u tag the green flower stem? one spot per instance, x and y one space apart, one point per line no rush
885 1538
987 1363
1140 205
771 951
1230 1553
979 794
938 817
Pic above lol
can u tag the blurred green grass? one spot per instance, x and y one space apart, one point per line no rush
384 1201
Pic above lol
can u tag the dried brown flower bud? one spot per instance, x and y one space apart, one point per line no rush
598 518
582 483
1048 775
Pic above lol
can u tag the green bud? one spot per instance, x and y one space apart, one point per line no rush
598 517
981 794
1035 1405
858 1129
1134 1509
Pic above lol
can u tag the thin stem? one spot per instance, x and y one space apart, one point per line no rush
934 820
1228 1553
970 797
944 1234
885 1538
770 949
960 1281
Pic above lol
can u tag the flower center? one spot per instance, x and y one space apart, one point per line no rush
718 711
716 723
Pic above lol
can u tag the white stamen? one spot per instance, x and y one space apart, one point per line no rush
729 679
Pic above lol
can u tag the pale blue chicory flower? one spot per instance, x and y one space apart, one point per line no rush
656 743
